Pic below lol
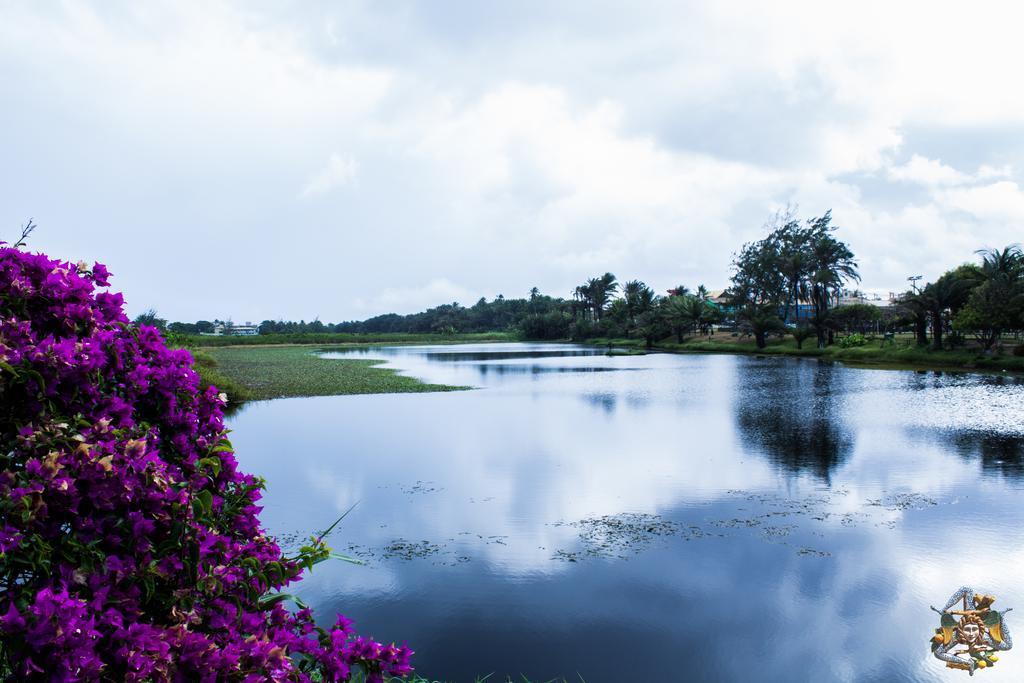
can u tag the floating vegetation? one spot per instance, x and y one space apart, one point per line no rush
904 501
735 523
774 519
773 532
402 549
421 487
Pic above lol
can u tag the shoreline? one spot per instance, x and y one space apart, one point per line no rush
868 357
250 371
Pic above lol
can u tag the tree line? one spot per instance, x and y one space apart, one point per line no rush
791 282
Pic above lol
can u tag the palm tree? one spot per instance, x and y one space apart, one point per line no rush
639 298
948 292
695 311
832 264
601 290
997 304
1005 263
761 320
800 333
677 314
917 305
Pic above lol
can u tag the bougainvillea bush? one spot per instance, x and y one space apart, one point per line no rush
130 547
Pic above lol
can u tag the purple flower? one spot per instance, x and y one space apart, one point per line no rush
100 275
137 558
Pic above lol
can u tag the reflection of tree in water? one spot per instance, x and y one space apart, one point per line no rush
790 412
605 400
999 453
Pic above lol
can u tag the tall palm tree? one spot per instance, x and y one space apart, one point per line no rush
917 305
601 290
832 264
638 298
940 296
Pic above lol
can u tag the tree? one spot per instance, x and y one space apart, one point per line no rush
601 290
651 324
683 313
946 294
916 307
856 317
638 297
801 332
997 304
149 317
760 321
758 287
831 265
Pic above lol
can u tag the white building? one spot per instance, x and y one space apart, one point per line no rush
246 330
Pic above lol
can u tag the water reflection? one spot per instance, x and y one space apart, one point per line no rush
792 413
653 517
999 453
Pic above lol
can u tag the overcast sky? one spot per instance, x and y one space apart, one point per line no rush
344 159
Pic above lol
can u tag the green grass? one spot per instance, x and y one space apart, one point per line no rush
904 354
346 338
264 372
209 373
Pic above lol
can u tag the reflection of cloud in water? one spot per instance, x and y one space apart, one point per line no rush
809 447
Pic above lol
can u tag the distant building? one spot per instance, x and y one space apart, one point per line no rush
246 330
221 330
848 298
718 297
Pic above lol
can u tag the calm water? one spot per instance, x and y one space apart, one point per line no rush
655 517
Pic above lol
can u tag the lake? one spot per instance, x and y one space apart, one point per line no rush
653 518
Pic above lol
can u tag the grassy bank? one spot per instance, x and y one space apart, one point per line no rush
210 373
264 372
900 355
342 338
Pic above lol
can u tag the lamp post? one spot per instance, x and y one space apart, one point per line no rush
913 282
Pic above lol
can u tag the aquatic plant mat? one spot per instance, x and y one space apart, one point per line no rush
287 371
806 524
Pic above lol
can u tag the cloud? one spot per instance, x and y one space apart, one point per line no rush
927 172
339 172
1002 202
497 148
413 299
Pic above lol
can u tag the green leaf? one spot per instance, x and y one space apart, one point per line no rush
268 601
343 516
223 447
991 618
212 463
345 558
203 503
948 621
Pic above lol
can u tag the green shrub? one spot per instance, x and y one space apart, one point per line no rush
852 340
